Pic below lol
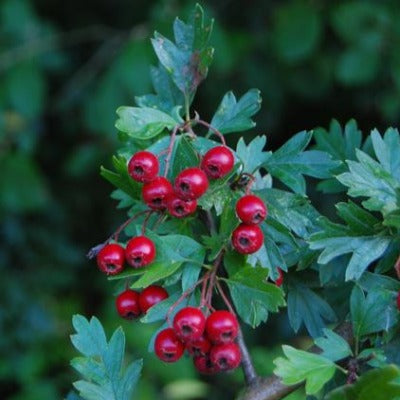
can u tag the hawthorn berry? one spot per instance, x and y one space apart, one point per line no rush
222 327
204 365
140 251
398 300
189 323
168 347
151 296
143 166
191 183
279 280
127 304
198 347
247 239
181 208
217 162
225 356
251 209
111 258
157 192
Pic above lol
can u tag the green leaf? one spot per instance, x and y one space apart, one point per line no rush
252 155
143 123
102 366
300 365
306 307
253 296
372 313
183 156
377 384
235 116
333 346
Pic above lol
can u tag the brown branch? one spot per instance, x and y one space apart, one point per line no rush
272 388
250 374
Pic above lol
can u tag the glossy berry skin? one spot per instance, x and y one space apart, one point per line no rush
198 347
143 166
217 162
204 365
127 304
140 251
157 192
189 324
398 301
191 183
111 258
151 296
279 280
225 356
251 209
181 208
168 347
247 239
222 327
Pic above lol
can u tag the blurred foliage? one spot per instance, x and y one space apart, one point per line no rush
66 67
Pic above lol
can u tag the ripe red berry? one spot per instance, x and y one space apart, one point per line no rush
110 259
198 347
217 162
180 208
143 166
251 209
247 239
204 365
279 280
140 251
226 356
189 323
151 296
191 183
222 327
398 301
127 304
157 192
168 347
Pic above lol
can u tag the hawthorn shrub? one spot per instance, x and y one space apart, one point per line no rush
210 225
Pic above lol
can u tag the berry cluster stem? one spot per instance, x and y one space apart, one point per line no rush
210 127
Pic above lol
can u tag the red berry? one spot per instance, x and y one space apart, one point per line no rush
180 208
143 166
247 239
157 192
217 162
204 365
189 323
222 327
279 280
251 209
198 347
191 183
226 356
398 301
140 251
151 296
167 346
127 304
110 259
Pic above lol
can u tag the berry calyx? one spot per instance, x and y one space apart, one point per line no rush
198 347
279 280
217 162
251 209
225 356
204 365
127 304
143 166
151 296
191 183
140 251
189 324
157 192
247 239
222 327
181 208
168 347
111 258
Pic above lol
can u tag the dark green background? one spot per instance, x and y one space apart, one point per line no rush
65 67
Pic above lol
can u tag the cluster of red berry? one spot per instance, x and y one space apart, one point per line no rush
210 341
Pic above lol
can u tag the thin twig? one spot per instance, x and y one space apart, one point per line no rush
211 128
249 371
